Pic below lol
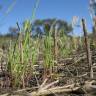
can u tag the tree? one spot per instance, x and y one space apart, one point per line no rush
42 27
13 31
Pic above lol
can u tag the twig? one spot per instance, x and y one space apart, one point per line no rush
49 85
43 84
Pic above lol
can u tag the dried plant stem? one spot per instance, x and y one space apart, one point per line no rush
87 46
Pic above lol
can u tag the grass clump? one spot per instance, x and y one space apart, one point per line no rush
22 56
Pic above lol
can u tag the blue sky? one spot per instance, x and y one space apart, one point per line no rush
60 9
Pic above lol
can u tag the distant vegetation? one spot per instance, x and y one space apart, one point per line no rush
39 29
